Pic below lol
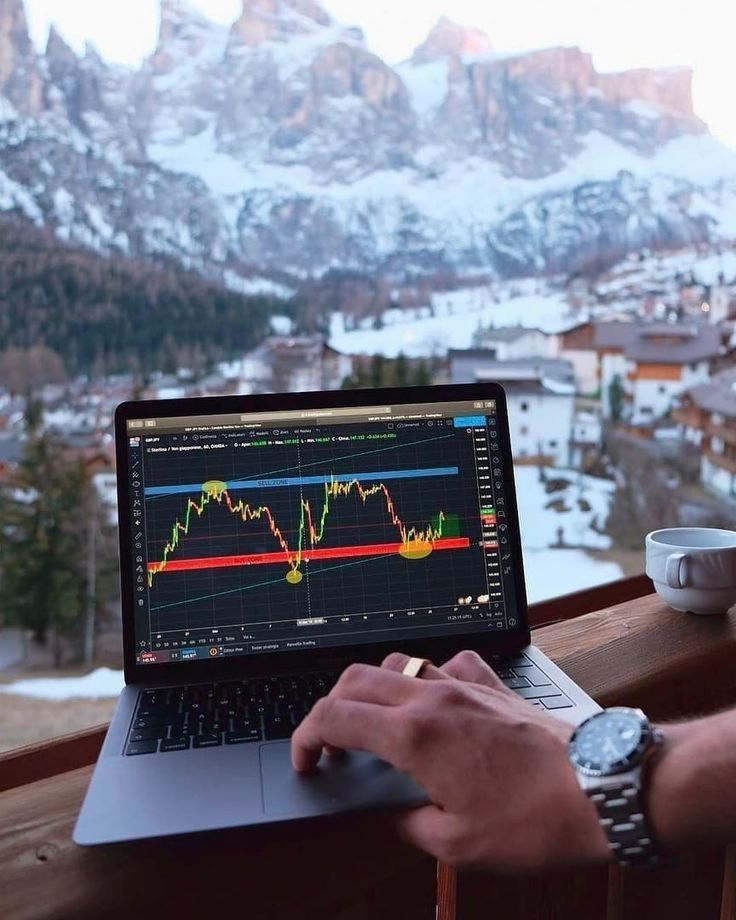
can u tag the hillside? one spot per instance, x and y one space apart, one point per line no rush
114 314
283 147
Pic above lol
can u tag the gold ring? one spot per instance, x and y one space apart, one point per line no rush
414 666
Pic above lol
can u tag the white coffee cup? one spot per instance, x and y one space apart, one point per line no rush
693 568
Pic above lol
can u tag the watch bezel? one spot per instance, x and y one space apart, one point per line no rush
633 760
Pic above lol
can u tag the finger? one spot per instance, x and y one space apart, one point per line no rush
397 661
347 724
469 666
428 828
365 683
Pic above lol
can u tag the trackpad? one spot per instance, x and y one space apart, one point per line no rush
357 780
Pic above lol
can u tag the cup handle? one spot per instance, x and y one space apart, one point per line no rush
674 571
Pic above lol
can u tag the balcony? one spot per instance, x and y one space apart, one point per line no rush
723 461
726 433
638 652
689 417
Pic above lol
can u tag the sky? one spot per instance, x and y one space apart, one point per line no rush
619 33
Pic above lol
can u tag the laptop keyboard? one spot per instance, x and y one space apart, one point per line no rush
269 709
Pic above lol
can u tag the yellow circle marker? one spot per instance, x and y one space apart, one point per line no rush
415 549
294 576
214 487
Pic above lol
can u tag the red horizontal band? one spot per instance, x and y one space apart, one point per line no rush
280 557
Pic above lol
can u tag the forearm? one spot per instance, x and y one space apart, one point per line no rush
692 791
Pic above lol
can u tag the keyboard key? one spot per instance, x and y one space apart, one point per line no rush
241 737
537 693
149 722
533 675
148 734
207 740
504 673
202 715
246 725
142 747
175 744
517 683
556 702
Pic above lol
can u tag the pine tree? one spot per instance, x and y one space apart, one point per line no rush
616 398
422 374
401 370
43 522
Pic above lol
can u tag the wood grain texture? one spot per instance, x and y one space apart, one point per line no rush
568 606
349 867
728 894
51 757
446 892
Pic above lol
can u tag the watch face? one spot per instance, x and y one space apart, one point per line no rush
609 742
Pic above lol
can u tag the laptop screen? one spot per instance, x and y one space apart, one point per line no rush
294 530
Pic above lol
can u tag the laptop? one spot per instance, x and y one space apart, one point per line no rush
266 542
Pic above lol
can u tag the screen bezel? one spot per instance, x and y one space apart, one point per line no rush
438 648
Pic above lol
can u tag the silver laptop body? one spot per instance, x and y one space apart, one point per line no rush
268 541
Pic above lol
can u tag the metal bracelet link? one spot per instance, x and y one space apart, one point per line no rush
621 816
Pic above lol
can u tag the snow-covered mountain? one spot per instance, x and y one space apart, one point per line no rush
283 146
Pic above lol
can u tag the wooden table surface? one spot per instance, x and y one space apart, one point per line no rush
346 868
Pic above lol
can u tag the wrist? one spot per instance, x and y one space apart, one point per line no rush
673 808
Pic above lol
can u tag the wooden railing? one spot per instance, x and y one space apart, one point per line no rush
354 868
723 461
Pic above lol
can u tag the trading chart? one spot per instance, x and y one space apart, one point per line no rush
278 538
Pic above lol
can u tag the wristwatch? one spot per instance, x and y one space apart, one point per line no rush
610 752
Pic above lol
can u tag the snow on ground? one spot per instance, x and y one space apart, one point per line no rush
451 321
552 570
258 285
581 508
100 683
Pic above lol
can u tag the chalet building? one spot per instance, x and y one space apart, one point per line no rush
664 360
512 342
706 417
593 346
651 362
541 400
294 364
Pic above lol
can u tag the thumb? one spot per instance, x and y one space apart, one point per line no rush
427 828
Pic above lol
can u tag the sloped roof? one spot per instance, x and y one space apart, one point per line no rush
675 344
718 395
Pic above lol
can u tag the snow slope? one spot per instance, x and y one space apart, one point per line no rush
452 319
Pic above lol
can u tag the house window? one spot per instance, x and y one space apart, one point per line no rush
524 407
661 388
553 443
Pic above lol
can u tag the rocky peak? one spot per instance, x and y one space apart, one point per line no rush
20 80
184 33
178 17
667 89
269 20
448 39
57 50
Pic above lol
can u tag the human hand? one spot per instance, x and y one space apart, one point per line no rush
495 768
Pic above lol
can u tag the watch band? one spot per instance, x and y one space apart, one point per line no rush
621 816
